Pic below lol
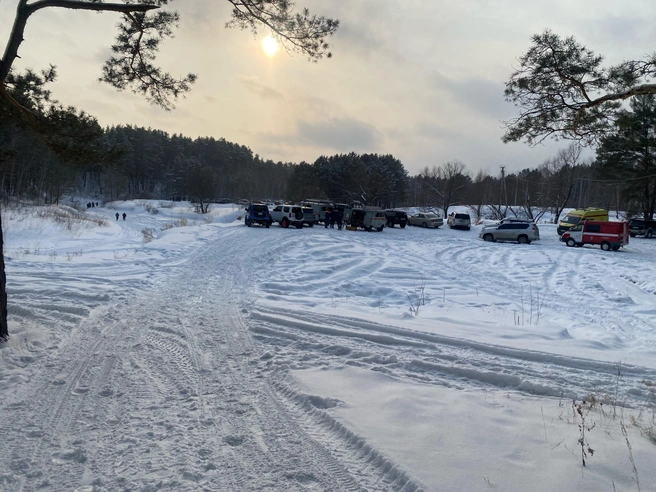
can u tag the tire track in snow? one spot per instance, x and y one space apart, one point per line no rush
303 339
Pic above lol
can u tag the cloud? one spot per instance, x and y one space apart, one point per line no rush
255 85
342 134
478 94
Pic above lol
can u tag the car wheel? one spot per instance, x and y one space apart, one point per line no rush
311 224
284 223
522 240
649 233
424 225
579 245
299 226
616 248
605 246
570 242
633 235
402 226
390 224
489 238
368 228
380 229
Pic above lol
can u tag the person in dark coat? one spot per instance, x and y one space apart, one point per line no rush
124 215
340 219
116 215
326 219
333 218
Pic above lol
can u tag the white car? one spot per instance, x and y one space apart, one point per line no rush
459 221
287 215
426 220
521 232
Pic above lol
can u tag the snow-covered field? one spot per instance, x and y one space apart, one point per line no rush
173 351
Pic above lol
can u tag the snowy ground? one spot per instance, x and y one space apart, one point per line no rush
221 357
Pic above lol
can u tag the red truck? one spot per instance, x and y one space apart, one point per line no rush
608 235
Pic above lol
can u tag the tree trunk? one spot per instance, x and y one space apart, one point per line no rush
4 328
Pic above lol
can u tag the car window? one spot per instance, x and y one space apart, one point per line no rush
505 226
277 209
592 228
462 216
285 209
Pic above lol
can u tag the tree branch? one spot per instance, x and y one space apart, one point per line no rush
24 11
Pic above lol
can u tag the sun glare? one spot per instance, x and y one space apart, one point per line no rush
270 45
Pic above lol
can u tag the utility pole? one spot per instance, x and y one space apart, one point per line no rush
504 192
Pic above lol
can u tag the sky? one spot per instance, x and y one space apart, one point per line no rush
420 80
174 351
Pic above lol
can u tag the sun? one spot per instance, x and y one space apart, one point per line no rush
270 45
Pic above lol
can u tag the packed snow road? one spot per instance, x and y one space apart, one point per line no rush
163 391
172 367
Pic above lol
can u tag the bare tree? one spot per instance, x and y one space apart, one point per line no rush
561 175
447 183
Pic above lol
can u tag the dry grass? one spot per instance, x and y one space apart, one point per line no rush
69 217
148 234
175 223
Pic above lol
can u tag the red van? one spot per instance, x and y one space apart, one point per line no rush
608 235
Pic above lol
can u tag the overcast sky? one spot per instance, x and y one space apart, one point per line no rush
422 80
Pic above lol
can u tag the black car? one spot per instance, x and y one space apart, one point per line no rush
257 213
396 217
642 227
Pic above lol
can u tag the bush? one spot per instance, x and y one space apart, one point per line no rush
148 234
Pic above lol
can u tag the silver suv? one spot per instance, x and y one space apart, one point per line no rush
522 232
287 215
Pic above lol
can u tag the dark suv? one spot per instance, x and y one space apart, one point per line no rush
396 217
642 227
257 213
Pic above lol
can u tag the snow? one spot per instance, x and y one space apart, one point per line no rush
178 351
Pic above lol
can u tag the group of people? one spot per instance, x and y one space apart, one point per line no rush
124 215
92 204
334 216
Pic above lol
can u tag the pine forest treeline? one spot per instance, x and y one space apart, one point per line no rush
130 162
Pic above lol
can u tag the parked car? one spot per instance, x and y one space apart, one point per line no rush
459 221
319 207
642 227
367 219
309 217
257 213
608 235
287 215
522 232
573 217
426 220
509 220
396 217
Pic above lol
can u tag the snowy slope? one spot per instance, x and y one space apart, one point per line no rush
221 357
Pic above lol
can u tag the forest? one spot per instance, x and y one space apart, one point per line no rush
127 162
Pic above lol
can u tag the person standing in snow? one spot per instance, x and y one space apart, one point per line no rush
116 215
124 215
326 219
333 217
340 219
